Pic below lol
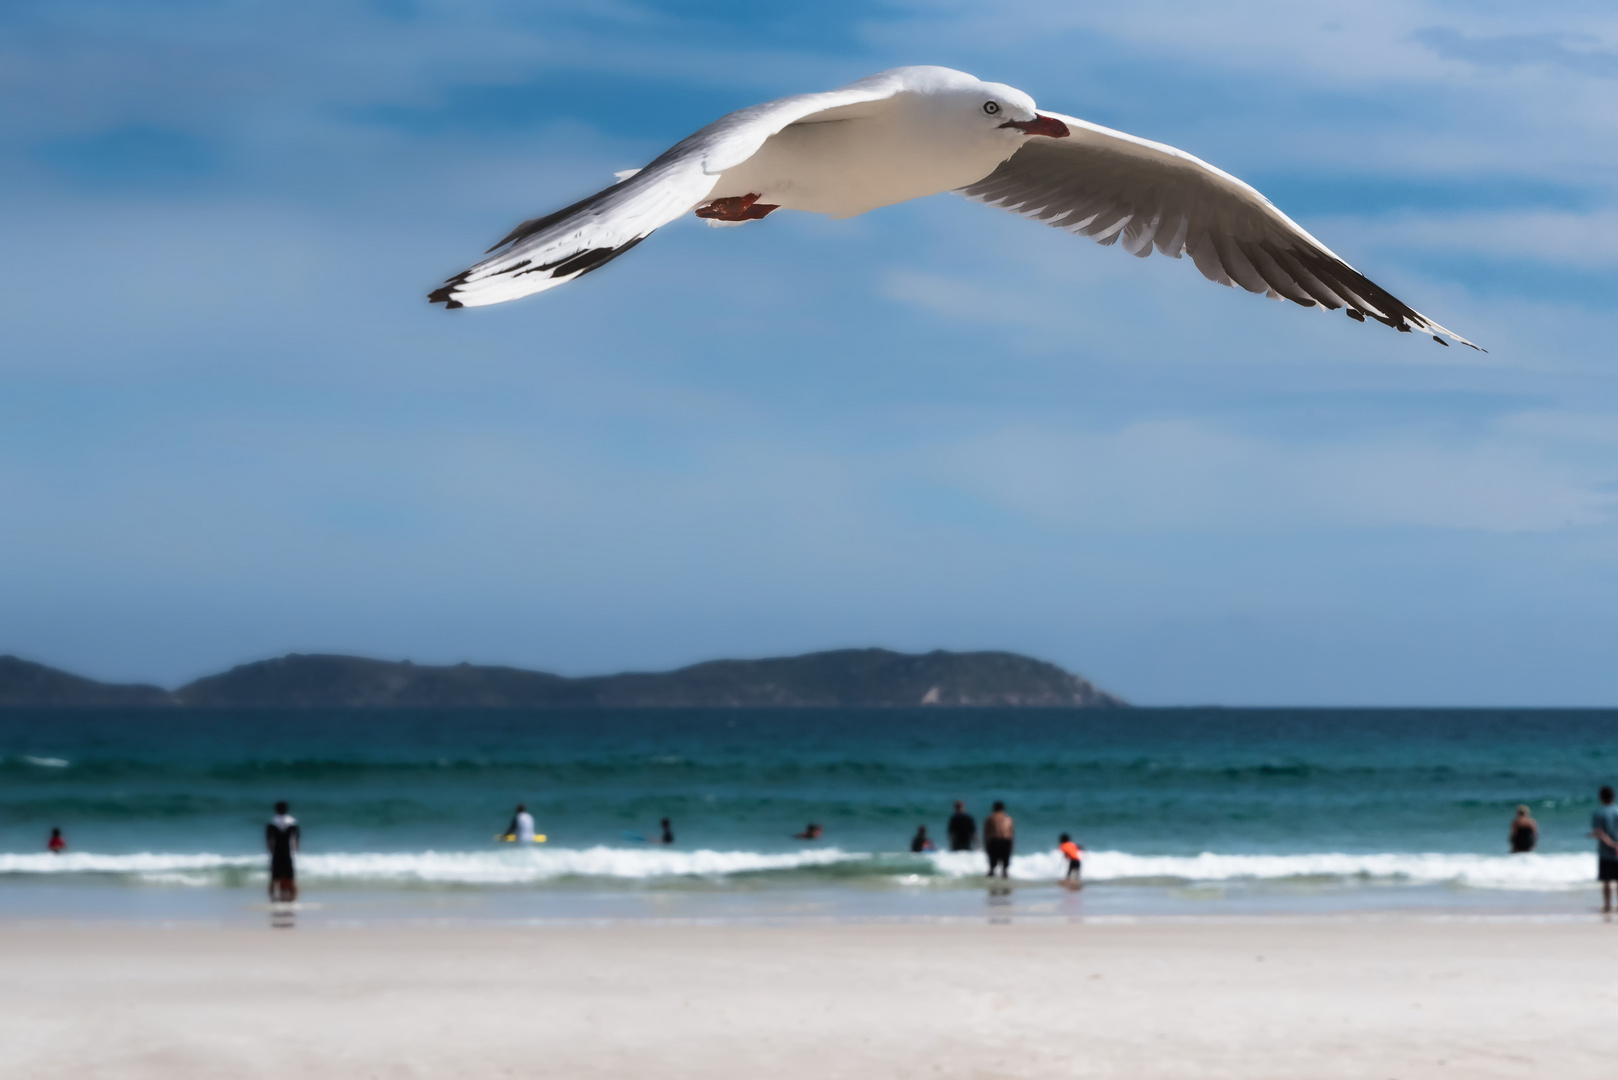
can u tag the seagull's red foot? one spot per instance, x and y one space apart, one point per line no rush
736 208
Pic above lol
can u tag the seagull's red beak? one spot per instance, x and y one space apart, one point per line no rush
1048 126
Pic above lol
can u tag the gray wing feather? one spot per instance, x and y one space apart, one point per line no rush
1140 195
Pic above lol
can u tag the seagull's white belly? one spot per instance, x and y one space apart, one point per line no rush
846 167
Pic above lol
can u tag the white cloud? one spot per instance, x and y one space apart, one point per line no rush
1189 475
955 298
1586 241
1600 429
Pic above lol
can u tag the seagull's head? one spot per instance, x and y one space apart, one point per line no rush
1005 108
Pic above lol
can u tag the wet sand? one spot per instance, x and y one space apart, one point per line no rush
1395 998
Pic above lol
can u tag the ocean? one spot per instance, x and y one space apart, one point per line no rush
1183 812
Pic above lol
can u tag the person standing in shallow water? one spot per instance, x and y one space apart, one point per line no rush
1524 832
1604 827
962 830
56 845
1075 858
668 831
282 837
999 834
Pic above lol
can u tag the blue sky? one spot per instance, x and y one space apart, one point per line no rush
231 426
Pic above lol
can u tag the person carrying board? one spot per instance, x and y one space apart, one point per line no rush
521 828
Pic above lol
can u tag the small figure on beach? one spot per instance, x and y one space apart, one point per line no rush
521 828
1075 857
282 836
56 845
963 831
999 834
1524 832
1604 827
811 831
668 831
921 841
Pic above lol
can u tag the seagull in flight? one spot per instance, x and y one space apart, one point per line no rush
916 131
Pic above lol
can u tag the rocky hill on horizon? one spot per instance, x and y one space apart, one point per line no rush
866 678
25 683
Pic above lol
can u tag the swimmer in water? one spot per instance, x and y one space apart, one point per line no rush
811 831
668 831
1075 857
56 845
921 841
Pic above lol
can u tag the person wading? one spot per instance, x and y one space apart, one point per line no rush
281 836
999 834
1604 827
963 831
1524 832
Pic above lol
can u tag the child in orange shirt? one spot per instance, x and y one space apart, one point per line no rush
1075 856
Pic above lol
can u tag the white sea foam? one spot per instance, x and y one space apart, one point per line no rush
516 867
140 863
539 865
1558 871
46 762
510 867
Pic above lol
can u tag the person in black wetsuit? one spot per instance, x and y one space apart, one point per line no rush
281 837
921 841
1524 832
668 831
963 831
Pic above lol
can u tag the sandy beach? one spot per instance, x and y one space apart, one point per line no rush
1395 998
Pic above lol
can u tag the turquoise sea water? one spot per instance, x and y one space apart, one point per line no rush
1181 810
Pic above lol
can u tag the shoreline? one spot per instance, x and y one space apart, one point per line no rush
1394 998
111 903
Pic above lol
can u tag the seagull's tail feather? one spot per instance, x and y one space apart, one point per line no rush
549 251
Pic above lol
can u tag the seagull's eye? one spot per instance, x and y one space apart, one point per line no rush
991 107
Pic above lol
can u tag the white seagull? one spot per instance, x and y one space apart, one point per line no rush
916 131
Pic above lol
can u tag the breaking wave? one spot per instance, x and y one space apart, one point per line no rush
626 866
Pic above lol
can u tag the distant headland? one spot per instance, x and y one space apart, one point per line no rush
843 678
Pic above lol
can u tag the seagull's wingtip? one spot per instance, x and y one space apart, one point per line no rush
445 294
1436 330
1460 340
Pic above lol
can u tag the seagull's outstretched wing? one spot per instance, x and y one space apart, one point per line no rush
546 252
1118 189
